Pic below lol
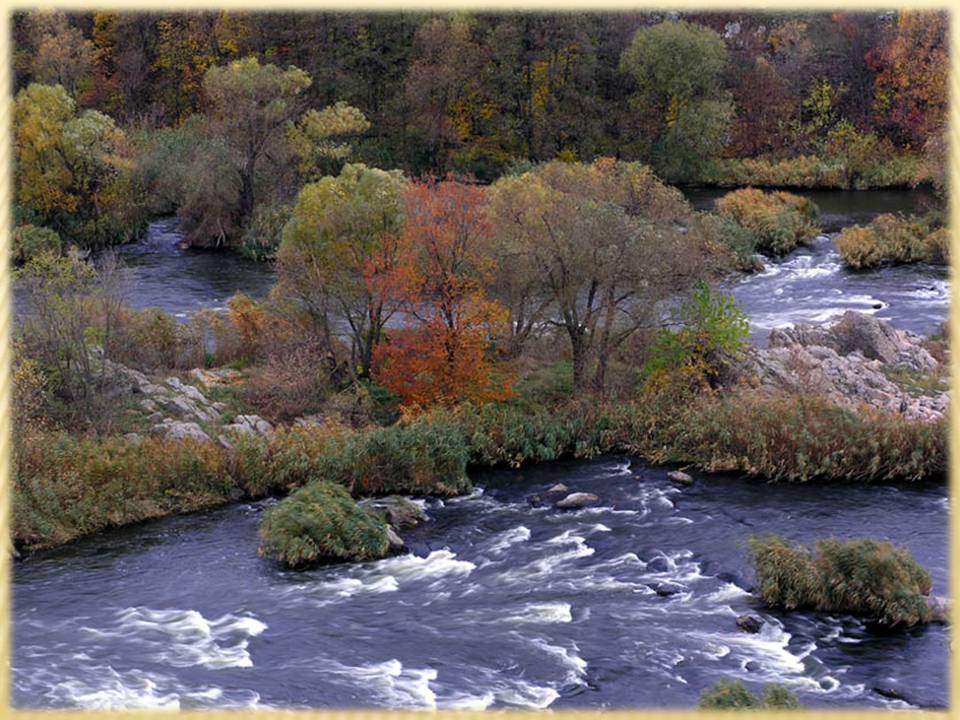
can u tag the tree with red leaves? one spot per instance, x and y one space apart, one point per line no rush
443 356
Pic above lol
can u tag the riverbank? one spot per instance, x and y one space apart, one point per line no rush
871 425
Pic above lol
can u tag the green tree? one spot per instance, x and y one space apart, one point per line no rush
605 241
73 170
249 106
339 248
677 68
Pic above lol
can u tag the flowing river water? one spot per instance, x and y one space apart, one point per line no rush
498 604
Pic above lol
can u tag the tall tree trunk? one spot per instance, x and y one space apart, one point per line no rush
246 194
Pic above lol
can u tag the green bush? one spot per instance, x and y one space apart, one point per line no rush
261 239
869 578
713 331
895 238
29 240
422 458
321 522
732 695
779 221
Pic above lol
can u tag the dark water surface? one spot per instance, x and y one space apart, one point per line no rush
498 605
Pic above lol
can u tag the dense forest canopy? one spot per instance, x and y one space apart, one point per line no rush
250 106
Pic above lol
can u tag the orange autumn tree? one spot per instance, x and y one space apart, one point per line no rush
443 356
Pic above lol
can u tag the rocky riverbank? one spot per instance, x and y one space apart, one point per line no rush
857 361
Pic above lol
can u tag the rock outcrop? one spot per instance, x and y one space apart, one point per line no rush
180 410
850 362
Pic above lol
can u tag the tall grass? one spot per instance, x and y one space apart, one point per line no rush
812 171
895 239
778 221
67 487
868 578
321 522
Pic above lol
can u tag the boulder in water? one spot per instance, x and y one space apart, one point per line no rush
680 477
750 623
396 542
658 564
548 496
666 589
575 501
396 510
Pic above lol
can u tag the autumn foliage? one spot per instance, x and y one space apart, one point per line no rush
443 356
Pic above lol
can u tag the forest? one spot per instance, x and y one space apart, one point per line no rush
223 117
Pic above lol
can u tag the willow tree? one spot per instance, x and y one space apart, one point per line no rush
339 252
608 244
249 106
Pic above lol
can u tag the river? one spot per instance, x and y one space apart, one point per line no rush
498 604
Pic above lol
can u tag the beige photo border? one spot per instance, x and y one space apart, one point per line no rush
387 5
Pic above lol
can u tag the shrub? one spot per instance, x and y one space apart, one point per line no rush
868 578
895 238
26 241
732 695
738 241
261 239
714 331
288 385
321 522
153 340
779 221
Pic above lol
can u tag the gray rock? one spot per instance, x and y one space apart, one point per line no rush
176 430
855 332
558 488
792 365
576 500
396 510
133 437
750 623
680 477
396 542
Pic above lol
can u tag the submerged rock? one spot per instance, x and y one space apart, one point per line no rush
575 501
679 477
750 623
549 496
658 564
666 589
